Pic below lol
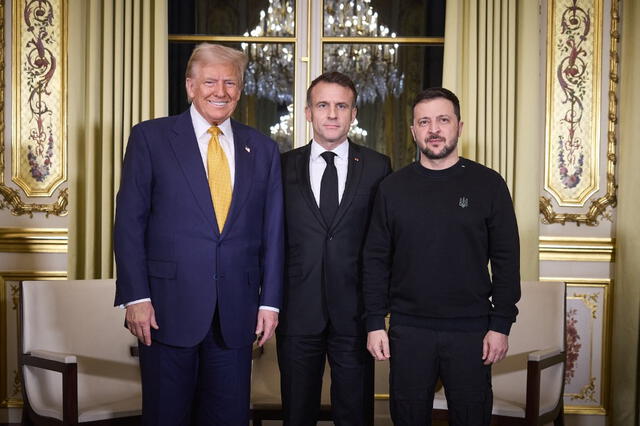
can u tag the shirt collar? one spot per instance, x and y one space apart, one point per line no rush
201 126
341 151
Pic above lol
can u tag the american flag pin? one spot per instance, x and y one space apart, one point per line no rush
246 148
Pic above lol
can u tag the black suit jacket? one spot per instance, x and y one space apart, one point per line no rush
323 276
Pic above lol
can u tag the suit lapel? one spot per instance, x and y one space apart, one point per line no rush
302 172
354 173
244 158
185 147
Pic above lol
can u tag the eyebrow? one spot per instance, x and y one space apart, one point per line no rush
437 116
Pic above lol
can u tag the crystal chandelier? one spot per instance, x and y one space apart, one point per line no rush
270 70
373 67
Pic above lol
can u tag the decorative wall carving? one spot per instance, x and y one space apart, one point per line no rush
39 145
572 147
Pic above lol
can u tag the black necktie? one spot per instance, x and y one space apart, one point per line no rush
329 188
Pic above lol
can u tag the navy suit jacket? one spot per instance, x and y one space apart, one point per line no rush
166 238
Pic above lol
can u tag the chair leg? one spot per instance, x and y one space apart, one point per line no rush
26 420
559 420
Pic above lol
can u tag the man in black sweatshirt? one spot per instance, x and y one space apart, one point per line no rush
435 227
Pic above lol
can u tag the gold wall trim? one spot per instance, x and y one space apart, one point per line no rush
9 197
33 240
577 249
10 401
599 206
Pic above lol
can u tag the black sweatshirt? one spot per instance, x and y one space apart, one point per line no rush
431 237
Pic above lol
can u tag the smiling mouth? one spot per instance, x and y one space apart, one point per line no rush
217 103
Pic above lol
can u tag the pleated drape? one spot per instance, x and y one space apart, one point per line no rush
117 78
492 62
625 371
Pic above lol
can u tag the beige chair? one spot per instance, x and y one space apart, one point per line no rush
266 403
528 385
75 357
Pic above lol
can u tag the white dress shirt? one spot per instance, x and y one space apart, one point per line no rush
201 127
317 166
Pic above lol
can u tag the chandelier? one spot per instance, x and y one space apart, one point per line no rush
373 68
270 70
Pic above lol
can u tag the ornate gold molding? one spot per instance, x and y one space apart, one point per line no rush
33 240
11 200
9 197
577 249
10 401
598 207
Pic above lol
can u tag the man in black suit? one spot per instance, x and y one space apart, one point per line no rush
329 186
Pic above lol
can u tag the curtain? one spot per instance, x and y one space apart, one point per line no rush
117 77
626 303
492 62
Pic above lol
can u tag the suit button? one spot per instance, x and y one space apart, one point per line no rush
215 277
330 237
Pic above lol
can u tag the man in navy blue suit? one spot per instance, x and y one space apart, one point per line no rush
200 275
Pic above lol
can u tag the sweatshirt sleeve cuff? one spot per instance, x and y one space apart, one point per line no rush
375 322
501 325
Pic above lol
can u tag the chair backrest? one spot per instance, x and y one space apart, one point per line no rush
540 325
77 317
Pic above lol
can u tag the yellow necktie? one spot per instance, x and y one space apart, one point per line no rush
219 177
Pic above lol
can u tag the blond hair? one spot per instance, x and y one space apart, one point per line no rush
207 54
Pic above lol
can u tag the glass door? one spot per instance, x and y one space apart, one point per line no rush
391 49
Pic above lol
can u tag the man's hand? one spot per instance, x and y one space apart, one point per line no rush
494 347
140 318
267 323
378 345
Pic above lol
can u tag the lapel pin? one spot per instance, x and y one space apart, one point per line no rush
246 148
356 158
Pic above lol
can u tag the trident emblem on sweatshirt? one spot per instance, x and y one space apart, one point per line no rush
464 202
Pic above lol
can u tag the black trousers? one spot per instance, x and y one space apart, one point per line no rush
302 359
419 357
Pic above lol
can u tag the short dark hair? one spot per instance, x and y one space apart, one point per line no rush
337 78
438 92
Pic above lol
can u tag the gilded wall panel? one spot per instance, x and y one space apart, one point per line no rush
579 179
588 335
38 160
